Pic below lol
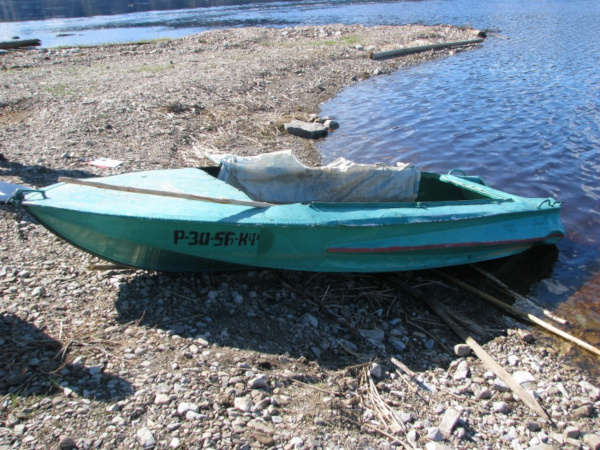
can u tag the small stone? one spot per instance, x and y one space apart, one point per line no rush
376 334
175 443
173 426
513 360
533 426
376 370
481 393
398 344
462 350
310 320
243 404
259 382
95 370
184 407
67 443
193 415
434 434
146 438
462 371
162 399
583 411
448 422
525 336
592 441
522 377
412 435
38 291
572 432
264 439
500 407
592 391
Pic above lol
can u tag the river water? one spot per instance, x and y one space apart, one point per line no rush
522 111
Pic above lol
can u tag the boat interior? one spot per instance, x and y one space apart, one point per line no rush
432 187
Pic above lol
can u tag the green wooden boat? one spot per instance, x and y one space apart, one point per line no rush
273 212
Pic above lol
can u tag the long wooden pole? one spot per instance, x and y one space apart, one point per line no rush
487 360
5 45
422 48
113 187
519 313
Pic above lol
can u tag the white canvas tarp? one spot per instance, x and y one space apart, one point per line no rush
280 178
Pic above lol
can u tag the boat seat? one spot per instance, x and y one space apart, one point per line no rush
281 178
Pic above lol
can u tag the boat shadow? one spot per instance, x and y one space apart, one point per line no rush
33 363
335 321
37 175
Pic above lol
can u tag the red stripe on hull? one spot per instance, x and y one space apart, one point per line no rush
396 249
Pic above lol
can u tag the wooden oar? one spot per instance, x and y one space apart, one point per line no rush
112 187
519 313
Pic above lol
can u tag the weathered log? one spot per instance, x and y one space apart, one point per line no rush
422 48
20 43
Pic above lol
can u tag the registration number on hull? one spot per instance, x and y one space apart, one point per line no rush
215 239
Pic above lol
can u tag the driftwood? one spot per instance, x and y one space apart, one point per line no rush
518 296
517 312
422 48
487 360
112 187
19 43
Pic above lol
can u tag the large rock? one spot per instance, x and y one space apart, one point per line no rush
307 130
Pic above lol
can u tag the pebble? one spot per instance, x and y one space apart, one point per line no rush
162 399
184 407
462 350
448 422
434 434
500 407
258 382
462 371
243 404
145 438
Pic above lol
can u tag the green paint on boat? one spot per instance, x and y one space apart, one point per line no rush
453 220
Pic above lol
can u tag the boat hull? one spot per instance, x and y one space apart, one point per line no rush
180 235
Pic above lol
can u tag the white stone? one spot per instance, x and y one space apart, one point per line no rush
258 382
522 377
376 370
449 421
184 407
462 371
462 350
146 438
162 399
590 389
243 404
500 407
434 434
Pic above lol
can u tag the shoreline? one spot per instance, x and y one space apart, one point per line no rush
107 358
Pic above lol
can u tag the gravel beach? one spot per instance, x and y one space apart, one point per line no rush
96 356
